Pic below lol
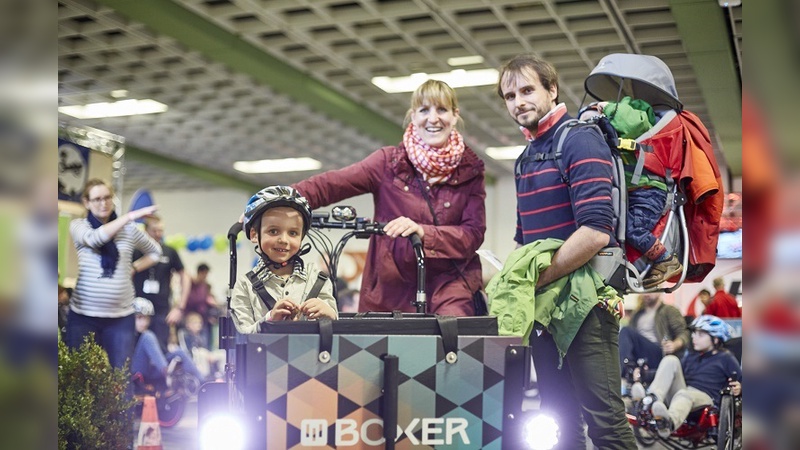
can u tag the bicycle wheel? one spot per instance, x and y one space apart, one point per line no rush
727 438
170 409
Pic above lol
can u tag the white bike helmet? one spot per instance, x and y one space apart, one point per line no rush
143 306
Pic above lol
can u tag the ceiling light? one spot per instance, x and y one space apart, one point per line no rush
511 152
456 79
465 60
119 93
131 107
277 165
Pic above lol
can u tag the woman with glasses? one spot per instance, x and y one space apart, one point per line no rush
102 301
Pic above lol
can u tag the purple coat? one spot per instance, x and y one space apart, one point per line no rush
390 277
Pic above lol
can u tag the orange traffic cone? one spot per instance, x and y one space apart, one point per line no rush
149 431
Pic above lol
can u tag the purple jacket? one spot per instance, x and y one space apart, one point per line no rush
389 280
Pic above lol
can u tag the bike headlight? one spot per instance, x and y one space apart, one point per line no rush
540 432
222 432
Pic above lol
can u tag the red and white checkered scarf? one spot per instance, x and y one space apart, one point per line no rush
435 164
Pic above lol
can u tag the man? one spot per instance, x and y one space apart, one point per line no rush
656 330
581 215
705 298
722 304
155 284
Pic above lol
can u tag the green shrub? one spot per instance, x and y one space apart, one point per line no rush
94 409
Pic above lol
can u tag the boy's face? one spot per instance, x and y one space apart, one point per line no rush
702 341
194 323
142 322
281 233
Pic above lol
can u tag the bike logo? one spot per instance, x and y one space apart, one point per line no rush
313 432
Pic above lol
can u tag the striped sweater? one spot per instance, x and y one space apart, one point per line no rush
106 297
545 206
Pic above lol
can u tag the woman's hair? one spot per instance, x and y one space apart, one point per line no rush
95 182
432 92
521 65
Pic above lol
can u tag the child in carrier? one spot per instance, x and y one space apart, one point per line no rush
647 193
695 380
281 286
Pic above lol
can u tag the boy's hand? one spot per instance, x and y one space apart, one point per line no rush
314 308
736 387
284 309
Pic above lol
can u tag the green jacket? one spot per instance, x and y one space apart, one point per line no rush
560 307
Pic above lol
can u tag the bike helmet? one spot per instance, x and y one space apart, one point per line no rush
273 197
143 306
713 325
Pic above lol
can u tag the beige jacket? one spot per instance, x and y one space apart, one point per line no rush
249 311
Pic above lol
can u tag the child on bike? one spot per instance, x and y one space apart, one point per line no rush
695 380
149 363
281 286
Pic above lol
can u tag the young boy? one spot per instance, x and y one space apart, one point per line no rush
193 339
281 286
695 380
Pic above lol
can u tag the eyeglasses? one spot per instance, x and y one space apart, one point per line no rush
100 200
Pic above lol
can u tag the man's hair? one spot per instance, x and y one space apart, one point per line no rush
150 221
520 64
704 292
203 267
719 283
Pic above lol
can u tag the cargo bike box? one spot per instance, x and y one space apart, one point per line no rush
376 380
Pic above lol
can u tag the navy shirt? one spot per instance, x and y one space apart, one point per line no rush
709 372
545 206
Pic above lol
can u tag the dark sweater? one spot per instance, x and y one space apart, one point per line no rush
709 372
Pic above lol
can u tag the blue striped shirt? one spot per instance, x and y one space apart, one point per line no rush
545 206
106 297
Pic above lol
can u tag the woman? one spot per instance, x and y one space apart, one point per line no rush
432 169
102 301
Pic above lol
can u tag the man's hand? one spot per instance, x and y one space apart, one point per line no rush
284 309
174 316
670 347
736 387
314 308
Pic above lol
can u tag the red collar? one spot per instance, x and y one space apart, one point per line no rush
546 122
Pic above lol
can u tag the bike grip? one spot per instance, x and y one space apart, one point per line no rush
415 240
235 229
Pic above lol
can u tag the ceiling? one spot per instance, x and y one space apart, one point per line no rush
253 79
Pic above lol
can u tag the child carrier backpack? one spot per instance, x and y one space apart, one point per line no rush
677 149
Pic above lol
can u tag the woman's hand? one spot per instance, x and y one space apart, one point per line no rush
142 212
314 308
284 309
403 226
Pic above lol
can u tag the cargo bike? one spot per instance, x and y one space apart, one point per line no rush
370 380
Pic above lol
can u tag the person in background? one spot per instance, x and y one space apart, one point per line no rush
193 339
656 329
722 303
681 385
200 299
155 283
281 286
705 298
149 363
583 381
102 301
431 184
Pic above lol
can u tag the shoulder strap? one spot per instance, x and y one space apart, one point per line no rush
317 288
258 286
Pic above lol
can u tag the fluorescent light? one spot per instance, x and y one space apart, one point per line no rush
119 93
511 152
465 60
456 79
130 107
277 165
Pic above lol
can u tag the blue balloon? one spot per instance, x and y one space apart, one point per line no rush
192 245
207 242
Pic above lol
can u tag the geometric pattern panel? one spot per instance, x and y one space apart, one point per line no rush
338 404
